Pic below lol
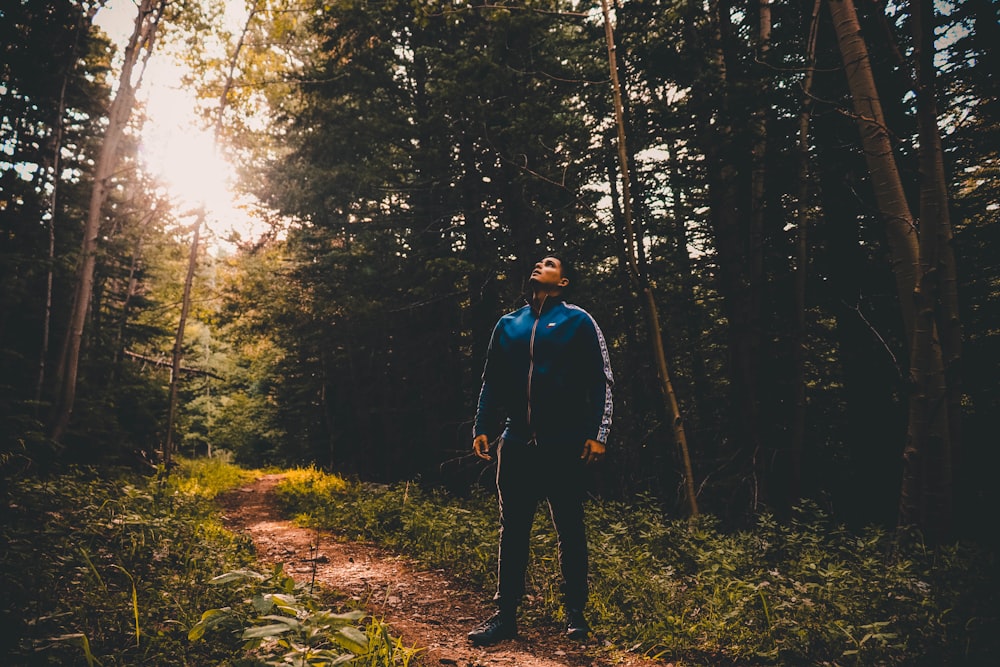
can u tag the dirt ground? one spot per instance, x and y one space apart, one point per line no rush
423 607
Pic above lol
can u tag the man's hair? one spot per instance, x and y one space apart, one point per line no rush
568 271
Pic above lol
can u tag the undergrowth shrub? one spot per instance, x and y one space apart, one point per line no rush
208 477
104 567
280 622
805 591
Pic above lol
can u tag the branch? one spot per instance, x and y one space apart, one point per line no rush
885 346
163 362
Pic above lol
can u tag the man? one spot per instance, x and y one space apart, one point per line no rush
548 380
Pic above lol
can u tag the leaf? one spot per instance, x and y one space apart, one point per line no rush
262 603
286 603
235 575
290 622
346 618
209 619
81 639
352 639
272 630
135 601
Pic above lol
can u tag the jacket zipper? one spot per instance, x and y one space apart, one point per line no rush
531 358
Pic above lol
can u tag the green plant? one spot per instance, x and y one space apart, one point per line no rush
281 623
103 566
806 591
208 477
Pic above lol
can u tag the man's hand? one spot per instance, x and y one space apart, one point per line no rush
481 446
592 451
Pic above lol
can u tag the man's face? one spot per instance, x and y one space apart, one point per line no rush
548 274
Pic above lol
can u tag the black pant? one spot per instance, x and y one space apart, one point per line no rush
528 472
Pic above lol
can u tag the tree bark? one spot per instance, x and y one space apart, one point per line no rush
639 279
755 250
83 22
163 363
758 171
921 267
926 499
935 217
193 254
801 265
728 166
53 208
693 319
142 38
886 183
178 352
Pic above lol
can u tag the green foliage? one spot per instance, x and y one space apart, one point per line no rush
208 477
806 591
426 156
460 139
280 622
108 568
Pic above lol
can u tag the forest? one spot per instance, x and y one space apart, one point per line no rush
779 213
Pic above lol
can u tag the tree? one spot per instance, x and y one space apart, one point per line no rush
54 71
137 52
921 267
801 259
632 242
424 154
927 494
220 112
879 155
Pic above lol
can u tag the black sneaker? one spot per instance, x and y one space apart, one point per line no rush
501 625
576 625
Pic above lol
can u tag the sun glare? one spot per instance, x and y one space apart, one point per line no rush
175 146
185 160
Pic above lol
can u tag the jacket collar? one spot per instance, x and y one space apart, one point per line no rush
547 304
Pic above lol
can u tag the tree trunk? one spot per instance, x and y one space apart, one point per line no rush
639 279
727 167
763 452
53 209
693 320
886 183
178 353
935 218
758 171
193 254
921 268
143 36
84 20
927 494
801 266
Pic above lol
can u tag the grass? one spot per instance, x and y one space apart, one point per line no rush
109 568
803 592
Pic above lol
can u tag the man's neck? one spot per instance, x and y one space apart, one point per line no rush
539 297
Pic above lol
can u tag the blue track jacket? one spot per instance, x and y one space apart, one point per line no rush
548 375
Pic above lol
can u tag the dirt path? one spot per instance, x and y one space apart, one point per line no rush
423 607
